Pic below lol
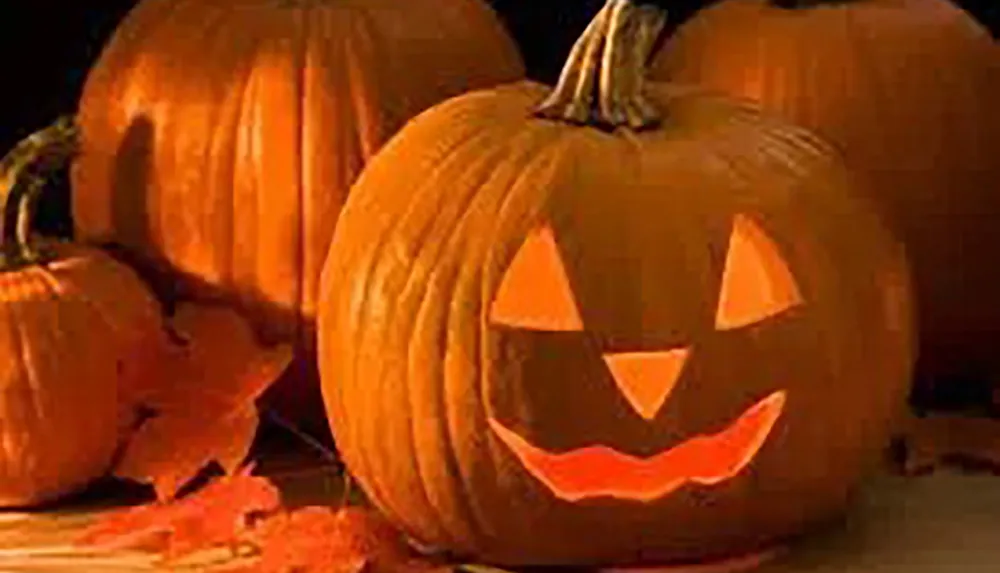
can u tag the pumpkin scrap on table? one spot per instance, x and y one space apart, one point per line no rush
223 176
321 539
216 514
245 513
77 328
670 319
934 440
908 90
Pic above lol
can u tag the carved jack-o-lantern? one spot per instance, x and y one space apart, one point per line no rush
543 343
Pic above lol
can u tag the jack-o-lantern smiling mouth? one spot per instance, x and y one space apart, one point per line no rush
596 471
535 294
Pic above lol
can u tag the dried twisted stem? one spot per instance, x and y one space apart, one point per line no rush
23 172
609 58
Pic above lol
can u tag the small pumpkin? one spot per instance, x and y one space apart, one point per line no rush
220 138
74 324
545 343
908 90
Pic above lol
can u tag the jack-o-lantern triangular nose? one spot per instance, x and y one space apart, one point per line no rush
646 378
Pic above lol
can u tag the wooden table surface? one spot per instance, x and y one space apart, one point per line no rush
41 541
945 522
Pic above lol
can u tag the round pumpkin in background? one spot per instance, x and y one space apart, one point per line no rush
75 325
692 340
908 90
220 138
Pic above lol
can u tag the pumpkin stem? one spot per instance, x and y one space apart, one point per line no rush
23 172
609 60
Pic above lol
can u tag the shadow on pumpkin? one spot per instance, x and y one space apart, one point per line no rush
295 396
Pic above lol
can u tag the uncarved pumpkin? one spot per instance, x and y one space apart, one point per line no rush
220 137
74 323
908 90
544 343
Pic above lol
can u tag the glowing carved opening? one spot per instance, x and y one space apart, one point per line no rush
535 292
756 282
647 378
600 471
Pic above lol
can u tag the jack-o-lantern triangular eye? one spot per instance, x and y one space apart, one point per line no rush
535 292
756 282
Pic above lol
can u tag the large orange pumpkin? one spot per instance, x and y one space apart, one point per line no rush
545 343
220 136
908 90
74 323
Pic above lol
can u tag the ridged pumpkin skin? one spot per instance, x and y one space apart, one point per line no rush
73 331
415 372
908 90
220 136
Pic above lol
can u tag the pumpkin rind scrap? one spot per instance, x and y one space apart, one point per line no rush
221 136
908 90
75 325
475 418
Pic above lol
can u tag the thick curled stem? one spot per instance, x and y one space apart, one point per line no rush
23 173
603 80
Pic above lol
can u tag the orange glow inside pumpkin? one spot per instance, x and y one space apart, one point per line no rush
756 282
595 471
536 294
646 378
